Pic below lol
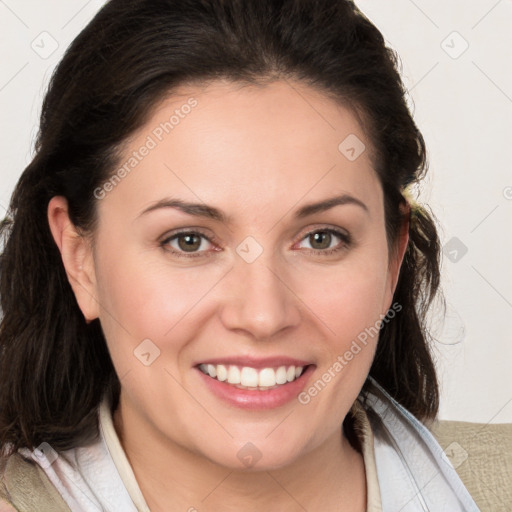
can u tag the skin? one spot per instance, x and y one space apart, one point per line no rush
258 153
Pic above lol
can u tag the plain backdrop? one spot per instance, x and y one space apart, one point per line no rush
456 58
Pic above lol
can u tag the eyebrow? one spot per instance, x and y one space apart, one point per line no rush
210 212
327 204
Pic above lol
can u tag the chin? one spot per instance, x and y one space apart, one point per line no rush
253 456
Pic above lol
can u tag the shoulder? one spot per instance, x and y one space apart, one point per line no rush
25 487
482 456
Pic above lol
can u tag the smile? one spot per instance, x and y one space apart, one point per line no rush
252 383
246 377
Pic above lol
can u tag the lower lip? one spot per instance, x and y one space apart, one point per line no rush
252 399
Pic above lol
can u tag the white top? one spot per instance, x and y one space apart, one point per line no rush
94 478
99 477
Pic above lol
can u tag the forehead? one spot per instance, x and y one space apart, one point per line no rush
244 146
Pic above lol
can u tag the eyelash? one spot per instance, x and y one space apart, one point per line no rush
346 242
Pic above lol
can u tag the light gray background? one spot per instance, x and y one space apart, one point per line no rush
462 102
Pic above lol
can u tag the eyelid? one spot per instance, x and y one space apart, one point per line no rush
186 231
323 227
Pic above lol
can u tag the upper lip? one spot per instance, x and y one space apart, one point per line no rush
253 362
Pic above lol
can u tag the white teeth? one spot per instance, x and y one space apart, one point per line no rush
234 375
267 377
248 377
281 375
222 372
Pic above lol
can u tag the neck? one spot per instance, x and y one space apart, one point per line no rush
173 478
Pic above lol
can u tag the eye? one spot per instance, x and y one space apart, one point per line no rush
196 244
187 243
326 241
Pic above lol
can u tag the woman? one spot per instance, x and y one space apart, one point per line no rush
214 286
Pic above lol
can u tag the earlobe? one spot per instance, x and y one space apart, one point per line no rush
77 257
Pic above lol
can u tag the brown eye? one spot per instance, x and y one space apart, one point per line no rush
320 240
326 241
189 242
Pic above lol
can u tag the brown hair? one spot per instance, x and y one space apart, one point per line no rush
54 367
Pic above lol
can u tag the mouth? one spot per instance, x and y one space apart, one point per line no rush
255 384
254 379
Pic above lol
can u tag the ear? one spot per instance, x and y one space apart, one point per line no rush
398 253
77 257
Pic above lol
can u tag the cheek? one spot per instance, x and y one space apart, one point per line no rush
144 298
348 297
348 302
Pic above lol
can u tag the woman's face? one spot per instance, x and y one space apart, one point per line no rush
280 264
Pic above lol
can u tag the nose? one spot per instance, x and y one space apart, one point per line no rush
260 301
